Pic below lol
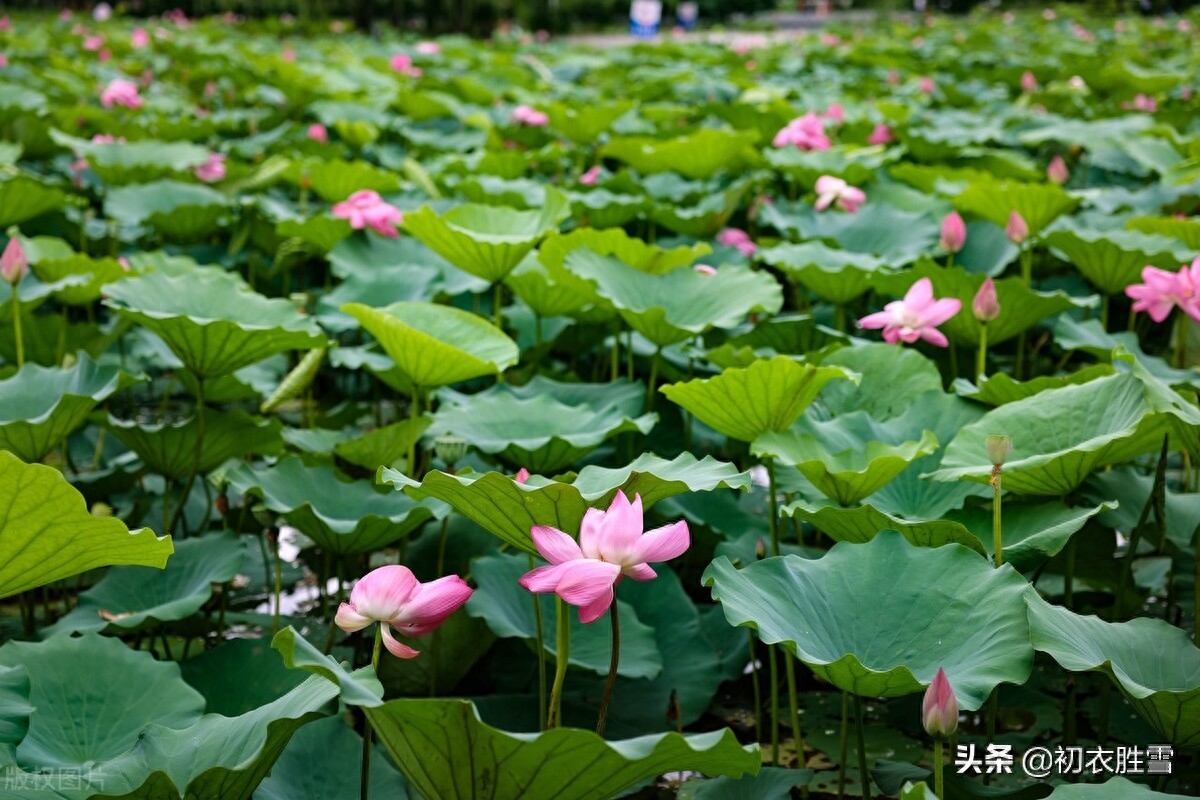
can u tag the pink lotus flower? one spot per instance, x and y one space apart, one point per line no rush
926 85
739 239
13 262
393 597
1029 83
1017 229
986 305
526 115
93 43
5 23
939 709
611 546
211 170
367 209
428 48
590 177
317 133
954 233
881 135
522 475
139 38
915 317
121 92
3 60
1143 102
705 269
403 64
830 39
288 55
833 191
806 132
104 55
1057 171
836 113
1161 291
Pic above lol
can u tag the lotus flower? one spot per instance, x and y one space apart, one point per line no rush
121 92
835 191
939 710
881 135
1143 102
139 38
13 262
806 132
738 238
835 112
526 115
102 12
705 269
1057 171
1017 230
611 546
915 317
590 177
428 48
403 64
986 305
1161 291
926 86
211 170
317 133
93 43
954 233
393 597
367 209
522 475
3 60
1029 83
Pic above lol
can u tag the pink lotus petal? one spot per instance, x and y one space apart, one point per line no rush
554 545
640 572
596 609
543 579
430 604
396 648
663 544
586 580
350 620
382 592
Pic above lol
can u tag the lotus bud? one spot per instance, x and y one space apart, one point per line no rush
1017 229
986 305
999 448
1057 172
450 449
13 263
1029 83
954 233
522 475
939 711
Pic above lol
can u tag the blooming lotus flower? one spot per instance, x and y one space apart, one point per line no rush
835 191
393 597
806 132
317 133
611 546
926 85
954 233
13 262
526 115
139 38
915 317
211 170
367 209
1161 291
881 135
102 12
738 238
986 305
93 43
1029 83
1017 230
705 269
403 64
939 710
5 23
121 92
590 177
1143 102
836 113
428 48
1057 171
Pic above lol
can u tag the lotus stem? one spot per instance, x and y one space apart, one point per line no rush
497 303
774 706
794 707
993 713
938 768
797 737
839 317
981 355
1181 337
997 533
864 774
616 352
414 411
278 585
629 356
950 260
1104 303
1069 576
613 663
191 481
844 747
758 690
541 651
364 786
563 652
650 393
20 342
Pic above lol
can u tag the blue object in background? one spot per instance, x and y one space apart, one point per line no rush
644 18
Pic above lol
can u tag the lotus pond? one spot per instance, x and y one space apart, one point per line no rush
385 418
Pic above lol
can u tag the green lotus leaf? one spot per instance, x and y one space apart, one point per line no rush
583 124
628 396
538 433
1091 337
649 258
382 447
170 448
1033 532
745 403
131 598
891 379
1113 259
376 289
323 762
23 198
334 180
179 210
1039 204
142 161
1154 664
211 323
1020 307
845 474
360 688
40 406
1115 788
431 741
602 209
784 334
435 345
508 509
1131 488
1002 388
863 523
932 607
14 694
1061 436
531 282
353 518
239 675
698 155
322 232
836 276
505 606
1185 230
987 249
877 228
855 165
676 306
704 219
54 261
486 241
47 533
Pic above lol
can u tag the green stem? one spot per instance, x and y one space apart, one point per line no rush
616 352
1104 302
650 393
191 481
938 767
541 651
993 712
613 663
278 585
629 356
1181 337
949 261
794 708
364 786
997 534
758 690
497 302
561 655
414 411
864 774
1069 577
844 749
981 356
774 705
16 312
839 317
773 500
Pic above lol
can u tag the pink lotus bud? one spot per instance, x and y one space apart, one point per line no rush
1057 172
3 60
139 38
705 269
1029 83
590 177
881 135
939 710
13 263
986 305
288 55
428 48
836 113
1017 229
926 85
954 233
522 475
317 133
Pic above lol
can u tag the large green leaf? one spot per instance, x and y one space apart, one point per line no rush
23 198
863 523
47 533
649 258
40 406
436 345
131 598
891 379
698 155
1061 436
1113 259
135 162
931 607
507 608
531 282
170 448
878 228
1185 230
1115 788
745 403
447 752
1038 203
1154 664
213 324
382 447
1001 388
334 180
835 275
584 122
342 517
509 509
1033 532
179 210
856 165
486 241
323 762
706 217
